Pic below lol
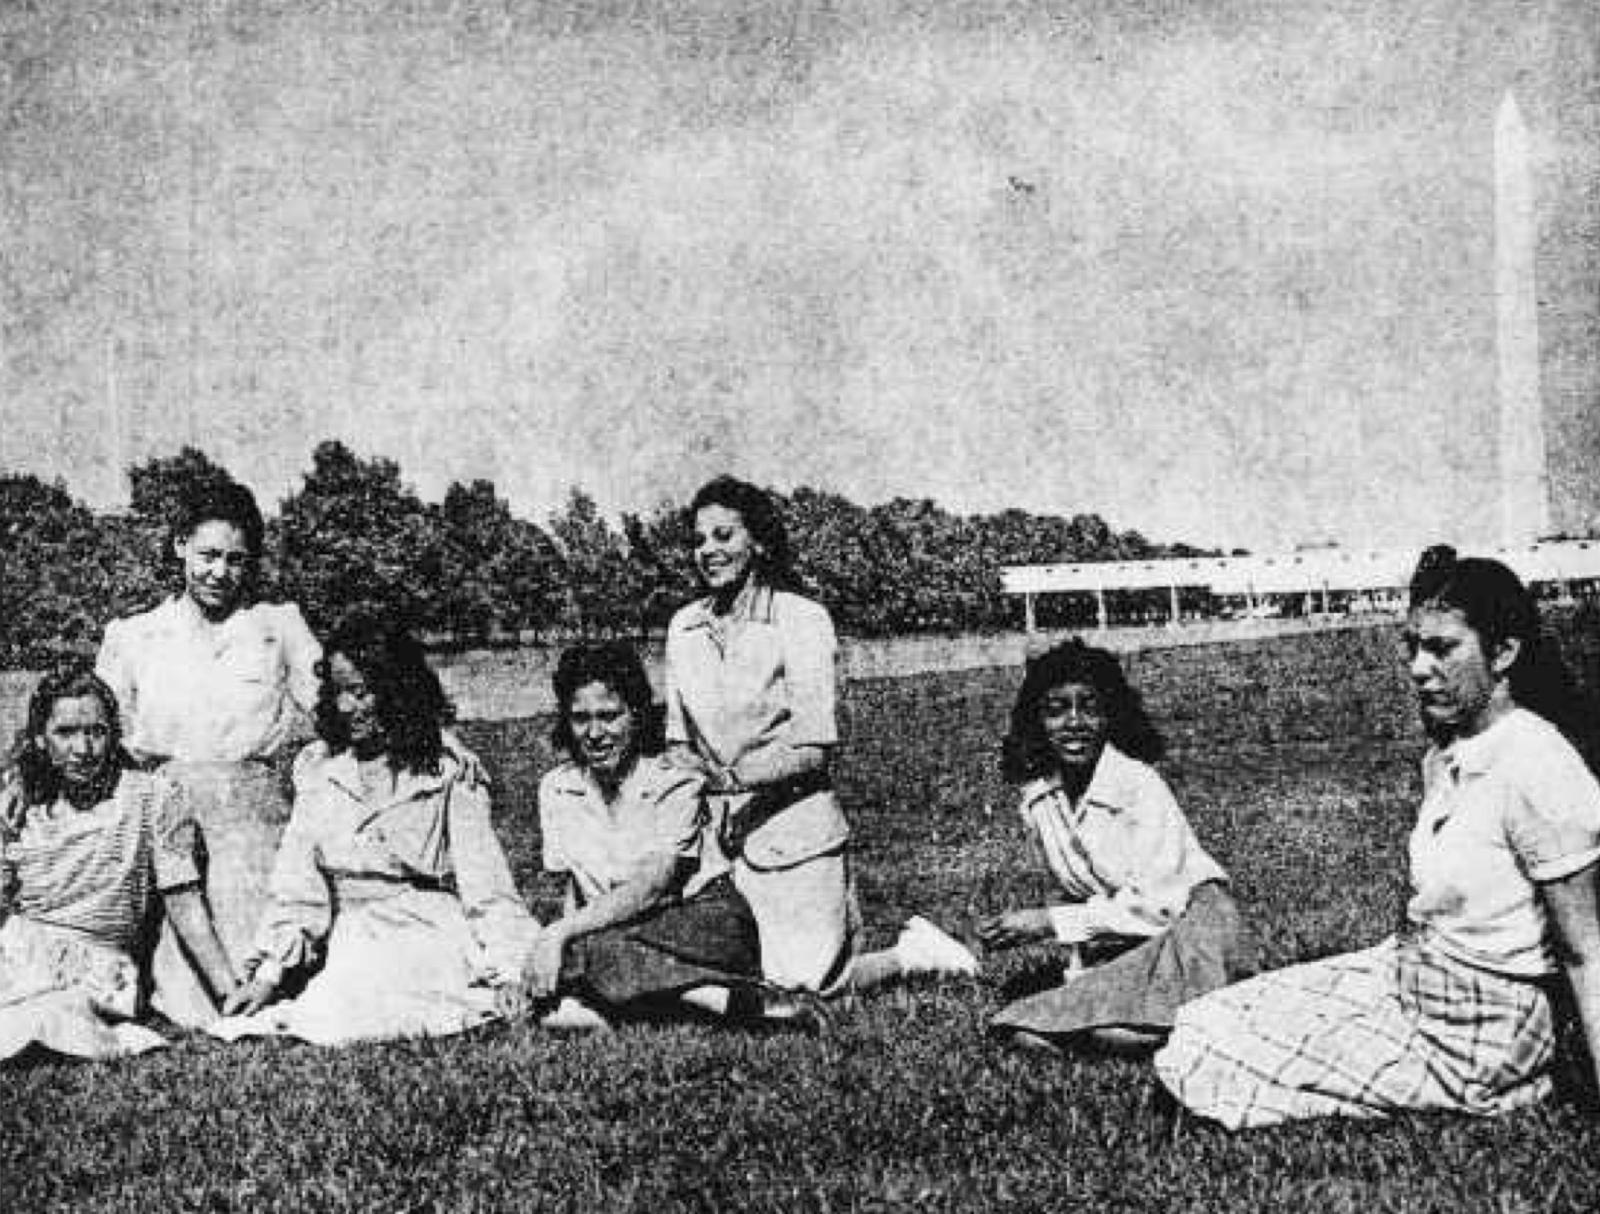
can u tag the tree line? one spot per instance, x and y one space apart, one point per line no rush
466 571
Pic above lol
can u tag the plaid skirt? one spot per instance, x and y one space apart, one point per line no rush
1367 1034
707 940
1143 986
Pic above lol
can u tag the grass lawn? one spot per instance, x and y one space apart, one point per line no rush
1296 760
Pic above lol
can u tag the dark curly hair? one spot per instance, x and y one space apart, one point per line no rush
773 563
613 664
39 779
408 700
228 502
1025 754
1498 607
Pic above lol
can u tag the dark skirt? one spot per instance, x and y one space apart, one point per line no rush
708 940
1208 947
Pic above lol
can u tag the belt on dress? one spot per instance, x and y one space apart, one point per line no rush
766 802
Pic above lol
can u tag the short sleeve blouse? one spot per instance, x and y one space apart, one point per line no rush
657 812
1502 811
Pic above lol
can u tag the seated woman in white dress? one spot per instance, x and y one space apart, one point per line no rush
1452 1012
85 840
645 924
390 889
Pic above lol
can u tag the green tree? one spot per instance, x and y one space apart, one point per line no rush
501 573
356 539
160 486
605 589
660 546
857 566
55 592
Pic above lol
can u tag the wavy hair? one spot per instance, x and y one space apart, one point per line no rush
37 776
408 699
774 560
613 664
1025 753
1498 607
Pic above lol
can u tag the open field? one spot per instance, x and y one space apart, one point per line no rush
497 684
1296 760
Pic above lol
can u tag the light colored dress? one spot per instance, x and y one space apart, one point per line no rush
219 702
706 937
403 908
1132 870
68 978
763 675
1454 1011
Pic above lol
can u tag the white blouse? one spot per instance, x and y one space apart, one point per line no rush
197 691
1125 856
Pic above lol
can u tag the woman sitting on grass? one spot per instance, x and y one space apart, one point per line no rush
1453 1012
1140 893
642 925
390 889
85 838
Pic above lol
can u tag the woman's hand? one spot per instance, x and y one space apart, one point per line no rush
250 996
719 779
541 973
1016 927
511 1001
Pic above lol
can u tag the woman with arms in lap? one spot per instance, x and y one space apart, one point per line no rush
85 840
642 925
1140 893
216 688
390 889
1454 1011
751 706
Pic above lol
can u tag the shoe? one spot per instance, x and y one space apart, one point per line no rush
793 1012
574 1016
926 949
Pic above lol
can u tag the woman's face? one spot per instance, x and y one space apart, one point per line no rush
724 549
604 730
1454 678
1074 722
356 705
216 564
77 740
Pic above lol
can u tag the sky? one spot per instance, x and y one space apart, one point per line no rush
1219 271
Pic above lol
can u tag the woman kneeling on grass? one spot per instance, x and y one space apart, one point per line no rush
751 707
643 924
389 873
85 838
1454 1011
1139 887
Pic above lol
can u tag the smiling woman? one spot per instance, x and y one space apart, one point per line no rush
1137 889
750 706
649 917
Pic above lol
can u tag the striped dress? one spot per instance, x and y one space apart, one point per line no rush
84 880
